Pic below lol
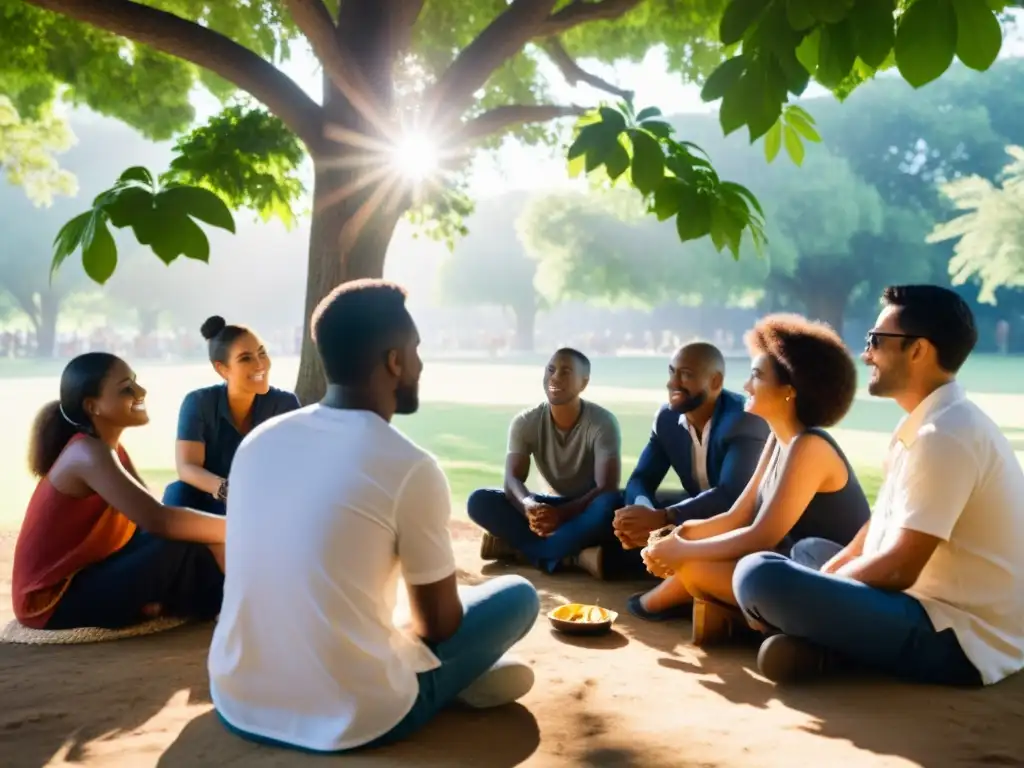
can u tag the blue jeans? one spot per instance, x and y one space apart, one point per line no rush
491 510
888 631
498 614
181 494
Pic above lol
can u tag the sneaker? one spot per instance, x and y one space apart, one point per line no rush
785 659
505 682
493 548
591 560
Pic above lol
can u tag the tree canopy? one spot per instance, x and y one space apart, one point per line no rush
466 71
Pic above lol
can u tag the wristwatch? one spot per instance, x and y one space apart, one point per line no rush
222 491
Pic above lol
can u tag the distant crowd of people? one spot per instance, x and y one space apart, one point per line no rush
291 526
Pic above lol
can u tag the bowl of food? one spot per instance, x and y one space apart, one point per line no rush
581 619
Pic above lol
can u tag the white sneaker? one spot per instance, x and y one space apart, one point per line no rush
508 680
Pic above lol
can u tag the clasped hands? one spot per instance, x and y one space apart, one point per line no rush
544 519
662 549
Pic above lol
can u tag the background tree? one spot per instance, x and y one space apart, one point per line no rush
990 236
490 266
27 149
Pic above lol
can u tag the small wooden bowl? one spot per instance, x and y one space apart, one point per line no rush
560 620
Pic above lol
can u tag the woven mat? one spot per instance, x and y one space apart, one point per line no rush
16 633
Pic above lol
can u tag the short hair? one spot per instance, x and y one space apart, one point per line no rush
576 355
220 337
810 357
355 325
709 353
938 315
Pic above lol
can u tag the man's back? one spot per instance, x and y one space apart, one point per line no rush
325 505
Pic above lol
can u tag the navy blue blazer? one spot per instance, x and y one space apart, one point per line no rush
734 448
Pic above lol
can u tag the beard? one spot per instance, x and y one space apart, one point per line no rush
886 383
691 403
407 399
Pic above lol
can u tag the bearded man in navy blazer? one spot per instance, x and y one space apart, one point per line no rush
705 436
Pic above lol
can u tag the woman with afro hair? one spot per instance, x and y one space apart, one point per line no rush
802 379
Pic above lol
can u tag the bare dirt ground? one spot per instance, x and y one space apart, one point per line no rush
640 696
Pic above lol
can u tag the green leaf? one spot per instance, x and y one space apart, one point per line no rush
830 11
668 198
576 166
128 204
773 141
796 75
612 120
836 54
198 203
193 242
659 128
874 30
647 113
648 167
726 227
725 76
979 35
137 173
734 110
926 41
617 161
68 239
802 124
694 218
588 137
798 12
765 105
738 17
99 252
741 191
808 50
794 147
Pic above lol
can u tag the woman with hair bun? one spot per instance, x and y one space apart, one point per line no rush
802 379
96 548
213 420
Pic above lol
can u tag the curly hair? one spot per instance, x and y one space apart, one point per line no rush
810 357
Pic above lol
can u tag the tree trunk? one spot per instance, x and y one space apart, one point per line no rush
827 304
46 324
526 320
149 319
336 255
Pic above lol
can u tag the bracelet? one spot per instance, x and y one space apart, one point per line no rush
222 491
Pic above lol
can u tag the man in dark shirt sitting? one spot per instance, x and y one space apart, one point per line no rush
704 434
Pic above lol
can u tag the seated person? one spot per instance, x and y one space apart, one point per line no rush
213 420
96 549
802 379
932 587
705 436
576 446
306 652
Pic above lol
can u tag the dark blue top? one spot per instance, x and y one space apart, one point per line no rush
734 447
206 418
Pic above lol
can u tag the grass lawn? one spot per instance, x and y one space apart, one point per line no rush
465 411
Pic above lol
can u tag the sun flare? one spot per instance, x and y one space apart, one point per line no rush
416 157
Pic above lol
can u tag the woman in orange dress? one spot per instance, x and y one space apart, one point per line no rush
96 548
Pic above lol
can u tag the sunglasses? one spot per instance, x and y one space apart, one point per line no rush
871 341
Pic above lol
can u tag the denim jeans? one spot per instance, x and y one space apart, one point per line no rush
181 494
498 614
491 510
888 631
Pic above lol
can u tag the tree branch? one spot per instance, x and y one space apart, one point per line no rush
502 39
502 118
312 18
202 46
580 12
574 73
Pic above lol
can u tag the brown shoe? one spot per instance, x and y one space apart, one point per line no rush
493 548
591 560
714 623
784 659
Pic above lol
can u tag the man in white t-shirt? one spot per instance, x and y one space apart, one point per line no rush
329 505
932 588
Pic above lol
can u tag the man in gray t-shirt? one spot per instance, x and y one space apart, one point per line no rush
576 446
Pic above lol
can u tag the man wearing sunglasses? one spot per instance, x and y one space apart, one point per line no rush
932 588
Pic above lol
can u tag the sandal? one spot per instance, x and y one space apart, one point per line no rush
635 607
